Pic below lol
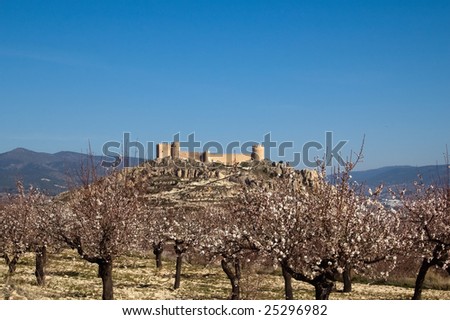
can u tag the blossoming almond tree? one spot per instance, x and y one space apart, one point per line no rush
226 236
43 208
274 224
315 234
21 229
154 226
15 228
101 221
427 228
183 227
367 231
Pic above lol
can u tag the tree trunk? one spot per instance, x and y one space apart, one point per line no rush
178 272
420 279
158 249
288 293
234 276
105 272
323 283
180 249
323 289
11 263
347 278
41 262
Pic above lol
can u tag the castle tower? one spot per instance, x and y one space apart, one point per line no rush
205 157
257 152
163 150
175 150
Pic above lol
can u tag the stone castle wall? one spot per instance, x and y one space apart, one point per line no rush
173 151
163 150
226 158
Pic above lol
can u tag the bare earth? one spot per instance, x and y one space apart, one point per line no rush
136 278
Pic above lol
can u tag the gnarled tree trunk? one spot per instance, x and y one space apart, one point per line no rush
180 249
323 289
105 273
11 263
288 293
439 256
158 249
323 283
421 278
347 278
41 262
232 268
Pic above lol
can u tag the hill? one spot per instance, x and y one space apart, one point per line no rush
51 173
401 176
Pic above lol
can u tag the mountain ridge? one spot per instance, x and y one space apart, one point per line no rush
50 172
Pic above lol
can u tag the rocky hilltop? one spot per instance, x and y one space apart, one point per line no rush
190 182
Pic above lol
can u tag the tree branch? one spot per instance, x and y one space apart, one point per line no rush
297 276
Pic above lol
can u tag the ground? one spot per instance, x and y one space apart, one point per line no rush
136 278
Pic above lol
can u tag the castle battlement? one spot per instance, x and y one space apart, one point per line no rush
172 150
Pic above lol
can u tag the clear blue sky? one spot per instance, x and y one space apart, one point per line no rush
73 71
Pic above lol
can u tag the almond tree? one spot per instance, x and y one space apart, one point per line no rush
369 233
101 221
13 235
183 227
314 234
42 236
427 228
154 226
273 222
226 237
20 229
162 223
352 232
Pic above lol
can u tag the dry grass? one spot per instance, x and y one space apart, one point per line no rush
136 278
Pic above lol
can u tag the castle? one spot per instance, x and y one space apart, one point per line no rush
173 151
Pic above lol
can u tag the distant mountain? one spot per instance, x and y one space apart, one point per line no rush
401 176
51 173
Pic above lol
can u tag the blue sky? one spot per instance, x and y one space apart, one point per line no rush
76 71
